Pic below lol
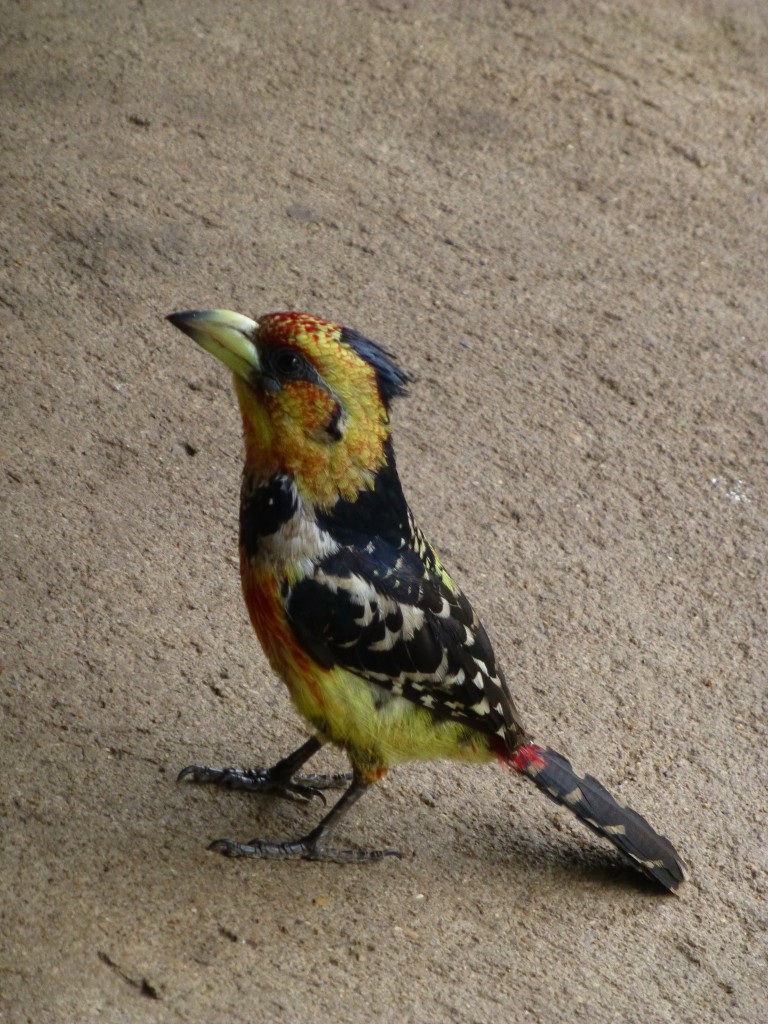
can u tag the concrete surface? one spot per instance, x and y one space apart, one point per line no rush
555 214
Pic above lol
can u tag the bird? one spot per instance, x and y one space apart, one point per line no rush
382 653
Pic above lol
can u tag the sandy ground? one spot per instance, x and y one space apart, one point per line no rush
555 214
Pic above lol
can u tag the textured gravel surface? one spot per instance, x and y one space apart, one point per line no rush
555 214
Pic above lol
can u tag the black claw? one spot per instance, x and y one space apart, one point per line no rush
254 780
314 780
300 793
223 846
282 780
354 856
300 849
258 849
197 773
301 788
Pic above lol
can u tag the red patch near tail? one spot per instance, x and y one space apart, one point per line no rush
527 757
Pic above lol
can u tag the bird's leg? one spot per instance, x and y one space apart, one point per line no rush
312 846
280 779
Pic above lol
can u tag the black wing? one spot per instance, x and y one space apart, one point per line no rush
388 617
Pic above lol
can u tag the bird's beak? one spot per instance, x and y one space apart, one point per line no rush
226 335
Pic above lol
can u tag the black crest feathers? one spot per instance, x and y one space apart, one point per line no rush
391 379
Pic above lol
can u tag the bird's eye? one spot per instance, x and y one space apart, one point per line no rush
288 364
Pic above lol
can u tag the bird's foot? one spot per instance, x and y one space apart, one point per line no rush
301 788
302 849
283 780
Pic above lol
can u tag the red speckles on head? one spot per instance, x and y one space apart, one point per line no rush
286 426
317 339
284 328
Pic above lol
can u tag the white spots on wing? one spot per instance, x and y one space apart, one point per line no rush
482 708
377 608
462 686
413 621
413 679
370 611
434 678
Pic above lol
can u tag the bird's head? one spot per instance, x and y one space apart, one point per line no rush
314 396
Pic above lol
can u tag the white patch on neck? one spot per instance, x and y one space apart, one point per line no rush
298 544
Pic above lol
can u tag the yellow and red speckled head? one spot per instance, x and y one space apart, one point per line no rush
317 407
314 397
336 347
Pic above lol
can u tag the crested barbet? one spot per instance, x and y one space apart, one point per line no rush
381 652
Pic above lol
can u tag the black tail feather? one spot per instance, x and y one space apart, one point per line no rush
590 801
